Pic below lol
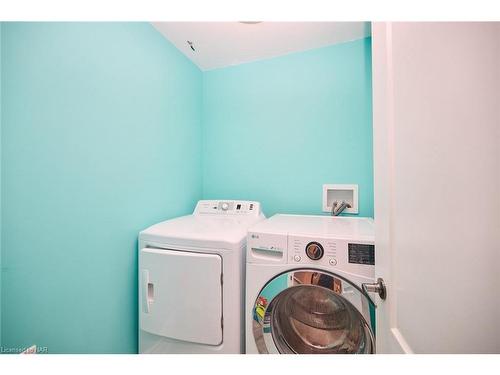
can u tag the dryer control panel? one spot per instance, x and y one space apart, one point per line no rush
227 207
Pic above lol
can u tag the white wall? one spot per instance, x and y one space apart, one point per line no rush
437 184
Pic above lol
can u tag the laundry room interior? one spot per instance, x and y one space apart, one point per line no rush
150 172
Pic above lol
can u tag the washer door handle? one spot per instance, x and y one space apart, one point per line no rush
378 287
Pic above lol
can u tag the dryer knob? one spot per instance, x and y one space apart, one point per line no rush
224 206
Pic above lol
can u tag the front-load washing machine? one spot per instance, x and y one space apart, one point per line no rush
191 280
304 285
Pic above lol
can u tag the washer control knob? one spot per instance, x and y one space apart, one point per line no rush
296 258
224 206
314 250
333 262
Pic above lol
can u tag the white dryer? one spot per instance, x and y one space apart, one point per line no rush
304 285
191 280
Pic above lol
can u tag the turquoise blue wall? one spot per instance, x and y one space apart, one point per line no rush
100 138
0 184
276 130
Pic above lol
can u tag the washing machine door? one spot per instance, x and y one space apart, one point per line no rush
309 311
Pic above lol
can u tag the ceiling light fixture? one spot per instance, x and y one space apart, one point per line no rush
250 22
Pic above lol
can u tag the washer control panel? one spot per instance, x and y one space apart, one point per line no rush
357 257
319 251
227 207
344 247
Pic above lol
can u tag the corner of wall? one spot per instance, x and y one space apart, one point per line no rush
202 134
1 23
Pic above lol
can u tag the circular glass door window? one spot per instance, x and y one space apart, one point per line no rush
311 319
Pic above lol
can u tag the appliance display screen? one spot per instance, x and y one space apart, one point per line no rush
361 253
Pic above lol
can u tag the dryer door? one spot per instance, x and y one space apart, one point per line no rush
180 295
308 311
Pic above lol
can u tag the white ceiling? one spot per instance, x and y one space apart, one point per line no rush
220 44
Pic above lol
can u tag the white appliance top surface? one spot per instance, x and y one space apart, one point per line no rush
193 228
321 226
214 223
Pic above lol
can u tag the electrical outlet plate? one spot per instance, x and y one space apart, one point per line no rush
336 192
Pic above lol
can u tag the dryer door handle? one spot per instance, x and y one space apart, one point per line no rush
147 291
